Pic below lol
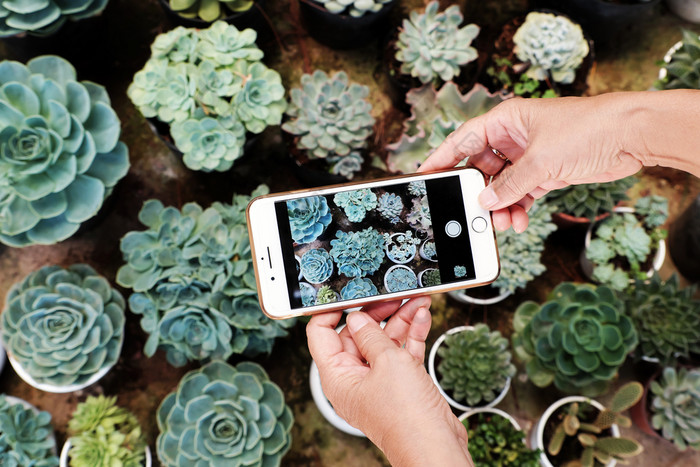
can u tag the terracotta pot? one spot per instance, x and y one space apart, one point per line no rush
563 220
640 411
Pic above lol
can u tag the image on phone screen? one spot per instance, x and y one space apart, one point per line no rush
371 241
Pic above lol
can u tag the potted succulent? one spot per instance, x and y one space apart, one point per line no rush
495 438
345 24
102 433
308 294
398 278
401 247
204 90
577 339
63 328
471 366
427 250
682 62
62 155
358 254
330 121
429 277
684 242
688 10
238 415
627 245
581 430
44 18
316 266
356 203
326 294
192 268
27 434
201 13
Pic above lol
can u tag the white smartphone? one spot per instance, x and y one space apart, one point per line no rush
348 245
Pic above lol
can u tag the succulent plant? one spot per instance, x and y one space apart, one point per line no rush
308 218
493 440
592 199
675 407
356 203
431 277
359 287
210 87
502 70
354 8
42 18
390 207
577 339
431 46
192 269
26 436
401 246
429 250
552 45
326 295
434 115
460 271
330 117
103 433
224 415
316 266
63 325
345 166
683 71
475 365
358 254
399 278
308 294
209 10
417 188
419 216
61 152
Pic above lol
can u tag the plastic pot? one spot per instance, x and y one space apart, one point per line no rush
491 410
64 459
689 10
464 297
420 276
684 242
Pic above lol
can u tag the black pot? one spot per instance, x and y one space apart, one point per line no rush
341 31
253 18
684 242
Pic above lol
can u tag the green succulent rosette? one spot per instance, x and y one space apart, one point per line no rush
224 415
63 326
26 436
44 17
209 10
60 154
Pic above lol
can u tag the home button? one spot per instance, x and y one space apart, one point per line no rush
479 224
453 228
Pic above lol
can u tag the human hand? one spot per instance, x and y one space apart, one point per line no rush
376 381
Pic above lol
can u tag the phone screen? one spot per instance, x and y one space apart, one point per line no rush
372 241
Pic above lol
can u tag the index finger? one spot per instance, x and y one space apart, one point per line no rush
467 140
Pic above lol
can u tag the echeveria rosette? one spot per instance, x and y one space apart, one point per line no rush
356 203
326 295
224 415
359 287
43 17
26 436
225 45
308 218
316 266
577 339
390 207
354 8
400 278
675 407
63 325
307 294
208 145
358 254
60 154
260 100
431 46
345 166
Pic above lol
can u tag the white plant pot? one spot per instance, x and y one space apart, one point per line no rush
432 370
3 356
64 460
688 10
12 400
537 434
667 58
464 297
420 276
397 266
500 412
406 261
587 265
421 251
300 276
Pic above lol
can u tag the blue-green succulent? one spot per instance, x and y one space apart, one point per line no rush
208 10
224 415
63 325
308 218
345 166
419 216
359 287
44 17
354 8
26 436
307 293
591 200
417 188
194 284
60 154
210 87
429 251
356 203
460 271
390 207
401 246
400 278
357 254
675 406
326 295
316 266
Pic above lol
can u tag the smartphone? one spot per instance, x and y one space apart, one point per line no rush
348 245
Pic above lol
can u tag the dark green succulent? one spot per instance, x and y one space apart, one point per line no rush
683 71
592 199
495 442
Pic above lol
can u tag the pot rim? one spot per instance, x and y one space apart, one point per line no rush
463 297
63 460
493 410
397 266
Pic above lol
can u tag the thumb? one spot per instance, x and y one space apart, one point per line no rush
512 184
369 337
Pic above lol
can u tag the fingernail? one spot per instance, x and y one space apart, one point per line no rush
357 320
422 315
488 198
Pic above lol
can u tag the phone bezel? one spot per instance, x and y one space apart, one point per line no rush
268 260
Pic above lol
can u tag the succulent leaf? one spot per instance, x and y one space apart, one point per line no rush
26 436
43 18
308 218
683 71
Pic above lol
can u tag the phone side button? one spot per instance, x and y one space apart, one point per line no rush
479 224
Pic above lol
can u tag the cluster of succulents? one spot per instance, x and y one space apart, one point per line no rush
356 203
592 199
400 278
493 440
390 207
428 250
432 46
43 18
475 365
552 45
26 436
316 266
63 326
577 339
357 254
102 433
401 246
225 415
210 86
359 287
61 153
208 10
330 119
308 218
326 295
419 216
675 406
632 236
683 70
431 277
434 115
192 269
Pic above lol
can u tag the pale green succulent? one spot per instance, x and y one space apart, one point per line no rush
358 254
675 407
356 203
432 47
316 266
354 8
683 71
63 325
26 436
61 155
208 10
224 415
326 295
552 45
43 17
207 144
